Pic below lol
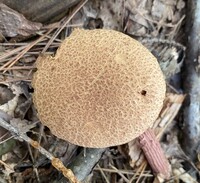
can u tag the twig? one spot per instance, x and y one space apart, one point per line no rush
140 172
10 53
83 165
4 141
25 43
49 37
28 47
103 174
55 161
143 167
154 153
119 173
127 172
39 139
33 161
80 5
15 80
6 165
163 41
20 68
56 25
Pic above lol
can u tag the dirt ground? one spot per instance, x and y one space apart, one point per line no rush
32 28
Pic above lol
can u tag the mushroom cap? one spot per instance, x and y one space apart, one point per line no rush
101 89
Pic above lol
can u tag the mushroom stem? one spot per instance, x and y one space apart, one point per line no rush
154 153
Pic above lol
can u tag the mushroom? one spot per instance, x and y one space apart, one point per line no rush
101 89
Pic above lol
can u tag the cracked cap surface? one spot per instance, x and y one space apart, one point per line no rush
101 89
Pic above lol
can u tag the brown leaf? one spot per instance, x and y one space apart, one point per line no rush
135 153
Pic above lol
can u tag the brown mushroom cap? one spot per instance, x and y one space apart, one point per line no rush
101 89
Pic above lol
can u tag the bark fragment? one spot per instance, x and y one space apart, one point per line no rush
192 81
41 10
154 154
13 23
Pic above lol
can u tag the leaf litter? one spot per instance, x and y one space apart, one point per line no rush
157 24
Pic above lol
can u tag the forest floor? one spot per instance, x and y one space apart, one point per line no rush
159 25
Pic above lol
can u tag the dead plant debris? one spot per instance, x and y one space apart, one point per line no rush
27 147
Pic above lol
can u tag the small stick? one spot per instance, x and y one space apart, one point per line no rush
83 165
10 53
55 161
103 174
154 153
80 5
24 51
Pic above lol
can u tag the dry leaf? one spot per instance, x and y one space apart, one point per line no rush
6 94
135 153
64 150
180 4
8 169
170 54
158 9
23 126
158 179
10 106
110 12
13 23
184 176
